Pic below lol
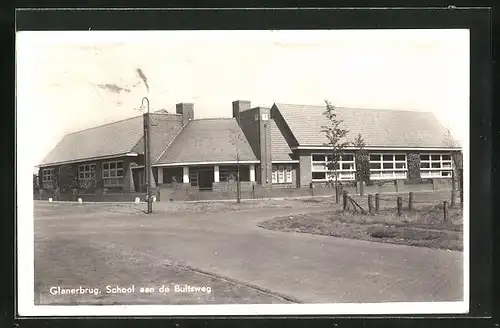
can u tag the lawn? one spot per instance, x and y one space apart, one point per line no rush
44 209
422 227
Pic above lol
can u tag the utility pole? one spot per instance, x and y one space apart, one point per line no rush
147 155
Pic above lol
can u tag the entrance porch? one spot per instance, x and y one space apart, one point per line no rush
204 177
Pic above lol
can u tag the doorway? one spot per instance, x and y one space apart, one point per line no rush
203 176
138 176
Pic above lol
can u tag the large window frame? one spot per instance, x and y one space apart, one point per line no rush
47 175
47 178
281 174
346 167
113 173
436 165
86 172
388 166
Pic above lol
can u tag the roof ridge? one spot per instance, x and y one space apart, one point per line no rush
214 118
98 126
171 142
372 109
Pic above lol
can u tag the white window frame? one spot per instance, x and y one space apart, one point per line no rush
281 174
397 173
47 178
342 174
108 179
87 174
47 175
436 172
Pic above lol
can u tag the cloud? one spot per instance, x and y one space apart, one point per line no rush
113 88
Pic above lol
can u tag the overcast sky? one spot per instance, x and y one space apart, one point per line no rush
68 81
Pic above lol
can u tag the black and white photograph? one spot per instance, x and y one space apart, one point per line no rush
243 172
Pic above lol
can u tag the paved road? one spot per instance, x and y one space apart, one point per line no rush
310 268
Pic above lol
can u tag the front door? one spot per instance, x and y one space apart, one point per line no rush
205 179
138 175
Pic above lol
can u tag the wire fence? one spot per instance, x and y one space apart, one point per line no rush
421 202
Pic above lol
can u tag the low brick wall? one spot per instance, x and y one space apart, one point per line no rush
249 190
125 197
232 186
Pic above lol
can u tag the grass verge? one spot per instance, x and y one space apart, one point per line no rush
424 227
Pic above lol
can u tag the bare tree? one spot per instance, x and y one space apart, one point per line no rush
337 142
457 160
362 161
235 139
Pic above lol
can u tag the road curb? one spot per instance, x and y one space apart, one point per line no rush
240 283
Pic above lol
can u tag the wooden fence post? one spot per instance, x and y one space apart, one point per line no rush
410 201
377 203
370 204
344 200
445 211
400 205
461 186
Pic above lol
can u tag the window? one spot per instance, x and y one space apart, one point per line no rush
47 177
288 176
282 174
388 166
322 165
319 175
112 174
435 165
85 174
229 173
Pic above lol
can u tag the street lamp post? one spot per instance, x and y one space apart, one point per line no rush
147 155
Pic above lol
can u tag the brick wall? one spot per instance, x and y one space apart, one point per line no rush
250 128
265 146
305 169
231 186
127 160
258 133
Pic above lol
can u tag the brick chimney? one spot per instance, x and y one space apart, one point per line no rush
186 110
240 106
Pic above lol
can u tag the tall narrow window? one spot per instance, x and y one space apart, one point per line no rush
288 177
47 178
275 174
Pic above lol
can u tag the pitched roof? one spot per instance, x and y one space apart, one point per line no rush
279 146
379 128
109 139
208 140
164 128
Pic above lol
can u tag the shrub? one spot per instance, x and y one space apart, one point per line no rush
413 166
382 232
362 166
